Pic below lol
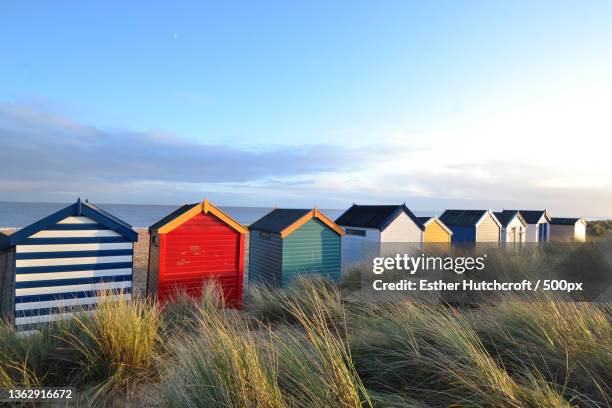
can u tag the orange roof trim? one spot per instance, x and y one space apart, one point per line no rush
307 217
204 208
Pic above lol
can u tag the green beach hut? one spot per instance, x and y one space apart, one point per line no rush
287 243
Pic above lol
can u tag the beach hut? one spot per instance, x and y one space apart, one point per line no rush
62 263
538 225
193 245
472 226
375 229
514 227
567 229
286 243
436 232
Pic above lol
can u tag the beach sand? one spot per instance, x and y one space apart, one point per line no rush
141 262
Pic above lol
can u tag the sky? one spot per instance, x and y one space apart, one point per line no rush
457 104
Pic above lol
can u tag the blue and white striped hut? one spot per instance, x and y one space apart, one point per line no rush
63 262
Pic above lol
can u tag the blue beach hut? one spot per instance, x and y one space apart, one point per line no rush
472 226
63 262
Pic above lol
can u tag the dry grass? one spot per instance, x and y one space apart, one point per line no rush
312 346
224 363
317 369
115 345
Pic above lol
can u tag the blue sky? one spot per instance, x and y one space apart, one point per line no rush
445 104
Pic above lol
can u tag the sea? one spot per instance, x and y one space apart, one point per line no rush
21 214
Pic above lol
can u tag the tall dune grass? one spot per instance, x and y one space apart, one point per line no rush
114 345
317 368
570 343
274 304
223 364
18 359
313 346
433 354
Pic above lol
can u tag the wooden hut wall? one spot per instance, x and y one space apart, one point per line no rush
265 258
202 248
7 282
435 233
488 230
463 234
312 249
66 265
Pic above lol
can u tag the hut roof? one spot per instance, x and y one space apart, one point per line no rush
284 221
77 209
533 216
427 220
505 217
188 211
179 211
465 218
4 240
374 216
565 221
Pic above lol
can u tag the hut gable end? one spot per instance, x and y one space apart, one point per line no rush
192 245
488 229
402 229
311 249
65 260
287 243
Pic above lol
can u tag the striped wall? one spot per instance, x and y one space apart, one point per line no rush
65 266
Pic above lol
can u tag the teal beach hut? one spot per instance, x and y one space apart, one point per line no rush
287 243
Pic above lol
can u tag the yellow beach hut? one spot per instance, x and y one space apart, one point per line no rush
437 236
435 231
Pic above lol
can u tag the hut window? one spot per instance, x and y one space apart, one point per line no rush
265 235
359 233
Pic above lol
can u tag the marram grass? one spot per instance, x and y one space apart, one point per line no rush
309 346
224 363
317 367
114 345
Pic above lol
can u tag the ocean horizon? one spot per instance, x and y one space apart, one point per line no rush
16 214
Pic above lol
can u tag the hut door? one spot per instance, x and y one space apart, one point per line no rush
542 232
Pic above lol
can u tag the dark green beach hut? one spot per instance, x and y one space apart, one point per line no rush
287 243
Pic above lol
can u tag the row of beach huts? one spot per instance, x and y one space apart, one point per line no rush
65 260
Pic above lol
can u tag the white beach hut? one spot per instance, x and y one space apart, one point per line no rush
538 225
375 229
567 229
514 227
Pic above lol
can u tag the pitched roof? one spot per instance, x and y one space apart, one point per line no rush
565 221
464 218
4 240
188 211
374 216
505 217
423 220
426 220
284 221
181 210
106 214
77 209
533 216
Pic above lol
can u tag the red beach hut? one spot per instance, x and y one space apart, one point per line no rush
192 245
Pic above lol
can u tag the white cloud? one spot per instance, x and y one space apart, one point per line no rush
495 163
